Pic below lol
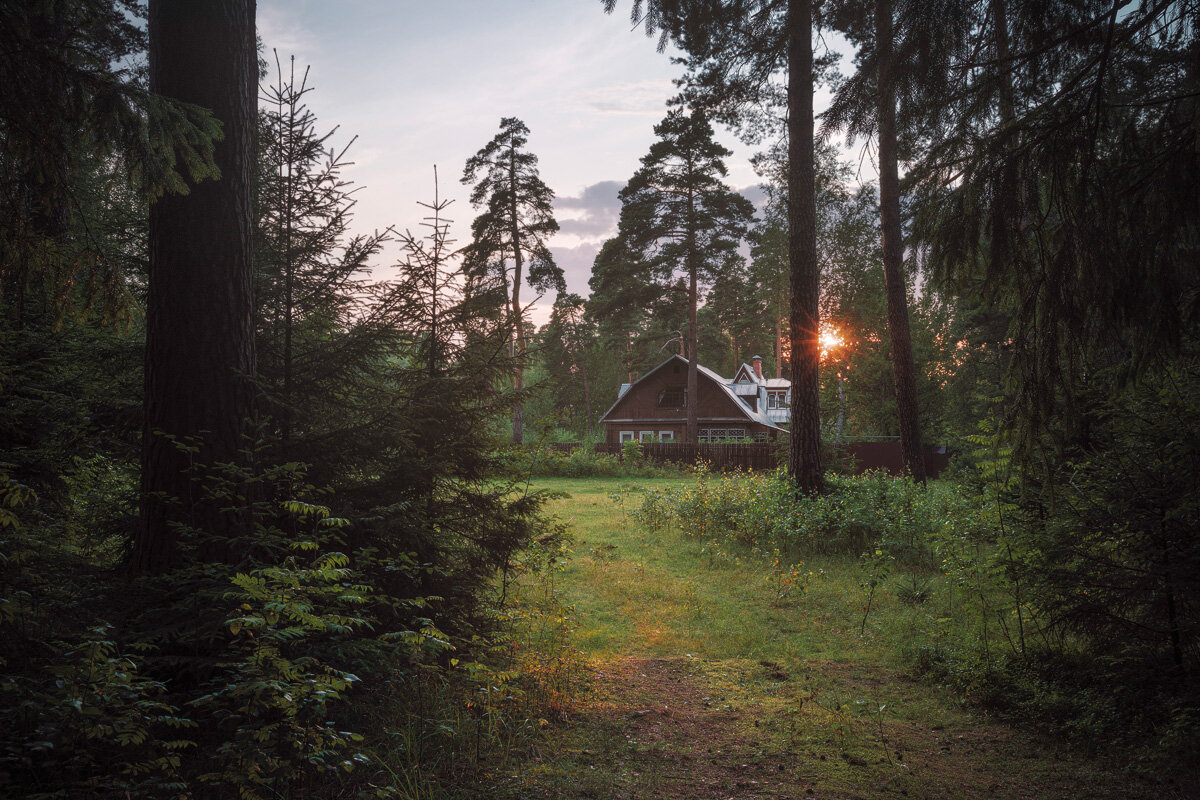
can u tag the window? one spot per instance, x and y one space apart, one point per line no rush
646 436
672 397
666 436
721 434
627 436
776 399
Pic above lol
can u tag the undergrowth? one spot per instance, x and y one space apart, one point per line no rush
583 462
962 616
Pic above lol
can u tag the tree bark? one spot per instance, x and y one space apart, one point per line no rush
200 357
518 419
693 373
804 455
903 368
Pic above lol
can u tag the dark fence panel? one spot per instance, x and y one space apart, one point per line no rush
890 457
863 455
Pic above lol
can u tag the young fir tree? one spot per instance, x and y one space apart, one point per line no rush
508 239
681 220
316 311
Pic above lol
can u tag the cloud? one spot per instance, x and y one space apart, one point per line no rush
576 264
645 98
592 216
755 194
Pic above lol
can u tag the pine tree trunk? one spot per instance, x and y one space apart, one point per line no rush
903 368
779 336
804 456
199 327
693 373
518 419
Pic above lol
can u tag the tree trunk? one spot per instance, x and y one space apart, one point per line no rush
804 455
778 336
587 395
693 373
518 325
199 325
903 369
841 417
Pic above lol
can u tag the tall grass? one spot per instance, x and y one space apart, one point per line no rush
941 575
918 526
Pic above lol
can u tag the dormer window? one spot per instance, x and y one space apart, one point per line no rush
672 397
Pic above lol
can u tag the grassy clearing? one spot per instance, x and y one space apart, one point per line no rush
710 675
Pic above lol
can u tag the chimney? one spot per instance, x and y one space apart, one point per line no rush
757 361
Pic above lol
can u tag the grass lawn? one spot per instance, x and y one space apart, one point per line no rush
707 677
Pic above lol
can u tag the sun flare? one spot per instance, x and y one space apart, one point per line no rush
830 339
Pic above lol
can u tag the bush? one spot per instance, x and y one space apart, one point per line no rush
858 513
582 462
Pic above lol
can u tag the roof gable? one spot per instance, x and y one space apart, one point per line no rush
726 387
745 374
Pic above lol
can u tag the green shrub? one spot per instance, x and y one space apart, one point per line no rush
582 462
858 513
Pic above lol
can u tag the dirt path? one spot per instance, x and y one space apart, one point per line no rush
676 728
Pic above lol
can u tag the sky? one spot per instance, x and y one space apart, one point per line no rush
426 82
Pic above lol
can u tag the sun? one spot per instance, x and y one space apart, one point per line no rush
830 338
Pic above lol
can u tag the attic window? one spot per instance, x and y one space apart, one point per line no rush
672 397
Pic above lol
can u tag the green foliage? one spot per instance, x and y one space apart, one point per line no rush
858 514
1013 621
582 462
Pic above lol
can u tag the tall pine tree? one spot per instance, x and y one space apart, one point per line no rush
508 239
680 219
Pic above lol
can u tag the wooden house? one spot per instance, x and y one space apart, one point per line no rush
654 407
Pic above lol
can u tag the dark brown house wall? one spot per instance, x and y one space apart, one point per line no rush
640 404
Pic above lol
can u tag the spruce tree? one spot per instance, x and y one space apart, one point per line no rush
318 317
681 220
517 219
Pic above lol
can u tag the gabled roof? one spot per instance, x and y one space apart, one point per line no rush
770 383
754 414
746 370
726 386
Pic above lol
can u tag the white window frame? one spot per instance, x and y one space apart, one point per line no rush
710 434
646 437
666 436
627 436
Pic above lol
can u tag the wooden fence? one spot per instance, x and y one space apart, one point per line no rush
859 456
720 456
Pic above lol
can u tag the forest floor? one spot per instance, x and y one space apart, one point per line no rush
695 676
